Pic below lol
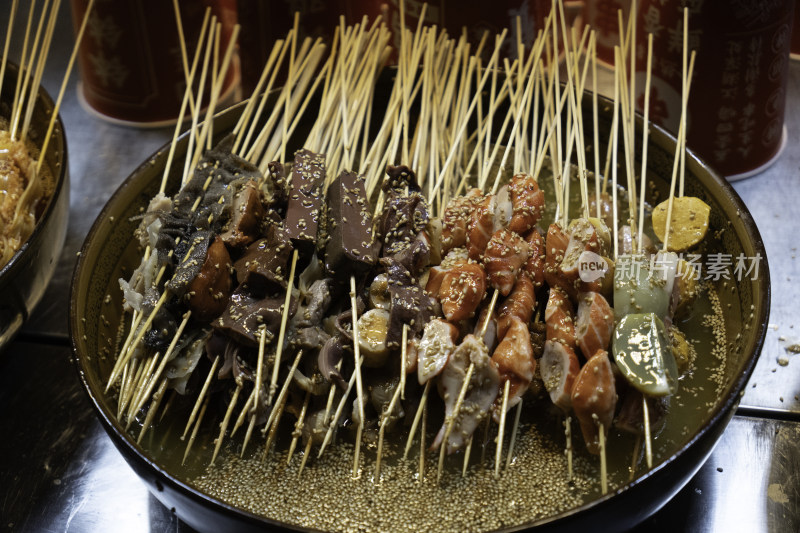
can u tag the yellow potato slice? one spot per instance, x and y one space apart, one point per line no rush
688 225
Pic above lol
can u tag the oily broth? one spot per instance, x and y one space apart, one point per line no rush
534 486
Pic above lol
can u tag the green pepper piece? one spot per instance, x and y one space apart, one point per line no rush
643 353
637 289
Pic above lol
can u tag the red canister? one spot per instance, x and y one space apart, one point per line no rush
738 92
130 58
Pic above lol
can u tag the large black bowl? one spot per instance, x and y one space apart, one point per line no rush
24 278
109 249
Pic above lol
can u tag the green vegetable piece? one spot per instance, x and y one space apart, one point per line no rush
639 290
643 353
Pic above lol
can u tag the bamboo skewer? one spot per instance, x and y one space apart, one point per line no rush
337 414
298 428
273 383
359 386
193 436
500 432
224 425
200 396
511 444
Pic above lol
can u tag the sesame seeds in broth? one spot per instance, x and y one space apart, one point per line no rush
325 497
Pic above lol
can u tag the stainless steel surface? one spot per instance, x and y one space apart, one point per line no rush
772 198
59 470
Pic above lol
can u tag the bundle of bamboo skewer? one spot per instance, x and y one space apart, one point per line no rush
439 121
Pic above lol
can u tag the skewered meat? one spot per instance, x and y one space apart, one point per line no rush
559 367
505 254
245 313
311 338
409 303
263 268
535 265
456 219
481 391
305 199
276 187
528 203
595 323
582 238
192 256
515 362
319 300
209 291
463 288
558 316
481 226
437 272
490 336
555 247
594 398
246 215
434 349
350 248
519 304
405 215
329 357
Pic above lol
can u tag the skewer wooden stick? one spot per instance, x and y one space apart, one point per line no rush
359 386
187 97
62 90
9 30
193 137
200 396
568 434
280 48
385 420
403 362
247 434
148 420
417 417
252 401
492 62
224 425
135 383
647 437
167 357
451 419
646 129
16 106
141 385
273 384
514 431
676 160
280 405
22 104
306 453
467 453
193 436
278 410
635 457
422 442
603 468
684 95
500 432
298 428
337 414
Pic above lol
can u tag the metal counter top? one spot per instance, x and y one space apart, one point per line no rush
60 471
